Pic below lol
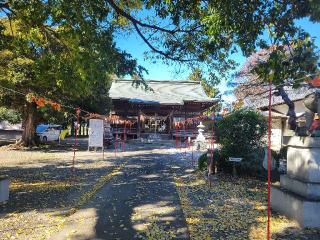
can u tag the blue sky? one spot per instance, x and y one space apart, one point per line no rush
160 71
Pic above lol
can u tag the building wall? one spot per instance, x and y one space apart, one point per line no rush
276 134
5 125
283 108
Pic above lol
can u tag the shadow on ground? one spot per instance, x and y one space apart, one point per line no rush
141 200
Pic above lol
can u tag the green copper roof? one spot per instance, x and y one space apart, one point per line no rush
163 92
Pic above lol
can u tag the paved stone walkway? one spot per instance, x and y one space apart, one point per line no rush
140 200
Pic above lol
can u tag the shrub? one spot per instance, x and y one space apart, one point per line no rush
203 162
241 135
10 115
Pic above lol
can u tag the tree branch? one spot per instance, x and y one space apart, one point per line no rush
291 108
141 24
137 23
157 50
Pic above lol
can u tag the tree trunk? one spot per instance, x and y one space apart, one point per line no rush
291 108
28 135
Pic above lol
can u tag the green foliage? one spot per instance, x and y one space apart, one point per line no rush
10 115
197 76
243 22
61 50
203 162
49 115
283 61
211 90
223 28
66 50
66 66
240 133
200 34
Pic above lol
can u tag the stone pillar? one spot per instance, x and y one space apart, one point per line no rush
298 195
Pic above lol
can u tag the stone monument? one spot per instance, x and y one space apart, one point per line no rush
298 195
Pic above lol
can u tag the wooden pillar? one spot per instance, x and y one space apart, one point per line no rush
155 123
138 123
80 129
72 127
170 121
87 128
185 117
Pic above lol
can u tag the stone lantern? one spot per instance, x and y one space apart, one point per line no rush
200 141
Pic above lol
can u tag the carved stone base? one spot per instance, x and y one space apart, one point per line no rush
306 212
305 189
298 195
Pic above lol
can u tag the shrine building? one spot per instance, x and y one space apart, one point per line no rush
157 108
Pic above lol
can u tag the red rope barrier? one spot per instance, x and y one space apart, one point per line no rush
269 161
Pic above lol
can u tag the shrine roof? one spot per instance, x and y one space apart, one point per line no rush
261 101
162 92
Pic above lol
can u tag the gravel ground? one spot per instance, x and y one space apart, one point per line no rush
149 192
233 208
43 186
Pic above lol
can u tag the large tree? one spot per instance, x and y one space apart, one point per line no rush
192 31
206 33
63 46
280 66
60 51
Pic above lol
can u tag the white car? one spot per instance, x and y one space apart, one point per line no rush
49 133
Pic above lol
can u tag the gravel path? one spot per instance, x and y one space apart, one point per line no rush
140 201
